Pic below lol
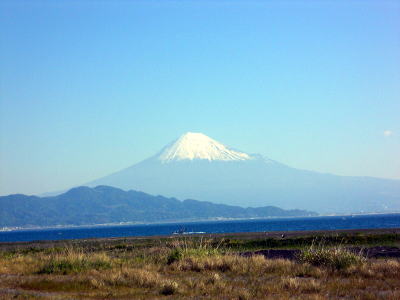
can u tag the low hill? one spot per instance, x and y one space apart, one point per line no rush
105 204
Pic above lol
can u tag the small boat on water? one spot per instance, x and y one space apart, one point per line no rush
183 230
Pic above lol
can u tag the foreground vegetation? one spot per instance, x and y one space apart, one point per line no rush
194 268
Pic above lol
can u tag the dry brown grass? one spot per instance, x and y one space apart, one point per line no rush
197 273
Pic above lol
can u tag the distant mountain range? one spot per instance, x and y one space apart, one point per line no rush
198 167
105 204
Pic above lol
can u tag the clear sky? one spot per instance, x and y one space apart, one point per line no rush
90 87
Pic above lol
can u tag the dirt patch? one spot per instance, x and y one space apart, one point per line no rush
378 251
274 253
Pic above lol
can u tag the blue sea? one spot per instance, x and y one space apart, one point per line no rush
231 226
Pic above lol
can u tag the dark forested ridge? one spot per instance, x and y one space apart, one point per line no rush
105 204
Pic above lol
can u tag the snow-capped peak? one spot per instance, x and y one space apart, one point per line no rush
193 145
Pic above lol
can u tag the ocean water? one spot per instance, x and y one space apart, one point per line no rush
231 226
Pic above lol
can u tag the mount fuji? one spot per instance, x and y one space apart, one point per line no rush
197 167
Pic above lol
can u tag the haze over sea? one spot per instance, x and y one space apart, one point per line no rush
208 227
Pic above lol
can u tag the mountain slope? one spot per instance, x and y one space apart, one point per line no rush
104 204
195 166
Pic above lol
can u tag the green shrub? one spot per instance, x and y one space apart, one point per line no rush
175 255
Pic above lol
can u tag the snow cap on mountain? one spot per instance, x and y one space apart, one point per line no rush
191 146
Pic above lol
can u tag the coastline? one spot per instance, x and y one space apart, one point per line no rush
277 235
184 221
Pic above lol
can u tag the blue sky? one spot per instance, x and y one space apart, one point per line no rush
91 87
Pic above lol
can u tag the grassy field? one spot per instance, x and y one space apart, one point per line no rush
201 267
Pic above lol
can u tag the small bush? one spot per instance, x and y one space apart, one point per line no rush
334 258
174 256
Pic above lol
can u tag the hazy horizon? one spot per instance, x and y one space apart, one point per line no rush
90 88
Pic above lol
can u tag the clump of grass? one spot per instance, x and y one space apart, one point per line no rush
335 258
381 269
302 285
19 264
74 261
220 263
175 255
126 277
7 255
169 288
213 278
192 248
229 262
